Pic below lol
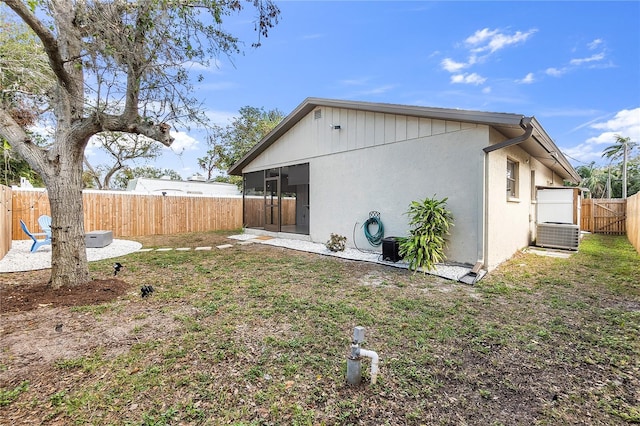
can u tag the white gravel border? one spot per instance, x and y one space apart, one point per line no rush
20 259
450 272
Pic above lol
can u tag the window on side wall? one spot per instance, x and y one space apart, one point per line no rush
512 179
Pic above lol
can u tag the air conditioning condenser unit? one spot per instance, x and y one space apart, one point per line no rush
558 235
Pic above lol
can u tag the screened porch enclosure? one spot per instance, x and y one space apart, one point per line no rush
277 199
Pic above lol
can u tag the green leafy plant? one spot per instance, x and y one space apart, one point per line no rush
431 222
336 242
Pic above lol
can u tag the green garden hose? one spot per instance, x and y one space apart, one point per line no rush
374 240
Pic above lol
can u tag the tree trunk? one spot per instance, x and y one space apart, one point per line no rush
69 255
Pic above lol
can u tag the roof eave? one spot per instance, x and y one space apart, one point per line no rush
504 120
544 140
309 104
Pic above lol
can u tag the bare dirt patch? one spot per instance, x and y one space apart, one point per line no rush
40 325
29 296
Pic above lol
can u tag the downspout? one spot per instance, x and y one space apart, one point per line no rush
525 123
483 246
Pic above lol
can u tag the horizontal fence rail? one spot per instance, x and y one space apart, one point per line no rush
131 215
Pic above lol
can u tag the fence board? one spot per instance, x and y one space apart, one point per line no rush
633 220
131 215
604 216
5 220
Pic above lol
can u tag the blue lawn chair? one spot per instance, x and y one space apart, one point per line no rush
36 242
45 224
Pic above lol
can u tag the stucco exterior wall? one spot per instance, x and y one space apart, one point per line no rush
511 221
382 162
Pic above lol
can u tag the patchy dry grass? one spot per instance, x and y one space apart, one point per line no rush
258 335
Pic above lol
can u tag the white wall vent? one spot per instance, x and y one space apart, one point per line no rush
558 235
317 114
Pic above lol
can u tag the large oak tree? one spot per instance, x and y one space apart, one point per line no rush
118 66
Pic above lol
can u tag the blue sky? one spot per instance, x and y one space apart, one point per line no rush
574 65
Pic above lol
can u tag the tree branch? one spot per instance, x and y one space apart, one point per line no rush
47 38
121 123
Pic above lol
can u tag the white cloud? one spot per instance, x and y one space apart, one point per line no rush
182 142
355 81
625 123
596 60
485 42
593 58
486 90
480 36
555 72
452 66
528 79
493 40
595 44
584 152
472 78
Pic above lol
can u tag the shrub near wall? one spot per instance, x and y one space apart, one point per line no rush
131 215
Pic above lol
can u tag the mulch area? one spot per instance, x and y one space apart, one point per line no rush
24 296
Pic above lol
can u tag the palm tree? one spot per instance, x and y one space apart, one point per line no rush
593 178
621 148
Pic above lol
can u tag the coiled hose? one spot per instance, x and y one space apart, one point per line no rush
374 240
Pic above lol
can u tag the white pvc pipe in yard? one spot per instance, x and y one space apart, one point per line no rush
374 363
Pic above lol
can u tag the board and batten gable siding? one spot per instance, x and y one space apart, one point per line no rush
311 137
382 162
511 223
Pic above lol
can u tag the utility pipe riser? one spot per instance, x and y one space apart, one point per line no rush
374 363
354 371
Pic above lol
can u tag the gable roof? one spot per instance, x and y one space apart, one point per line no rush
539 145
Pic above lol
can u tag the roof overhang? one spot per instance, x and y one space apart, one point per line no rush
539 145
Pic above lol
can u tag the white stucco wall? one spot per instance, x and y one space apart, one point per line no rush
511 222
383 162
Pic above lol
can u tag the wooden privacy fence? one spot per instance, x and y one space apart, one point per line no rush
131 215
633 220
604 216
5 220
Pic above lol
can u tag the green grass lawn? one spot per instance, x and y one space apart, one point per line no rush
258 335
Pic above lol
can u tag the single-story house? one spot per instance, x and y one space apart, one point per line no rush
330 163
195 185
